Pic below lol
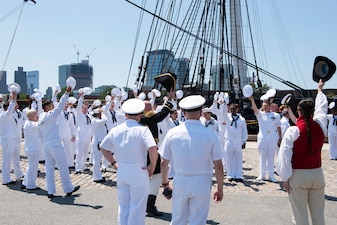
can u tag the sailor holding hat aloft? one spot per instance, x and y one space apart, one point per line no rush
268 138
236 136
53 148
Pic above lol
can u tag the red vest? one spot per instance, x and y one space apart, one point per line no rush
301 158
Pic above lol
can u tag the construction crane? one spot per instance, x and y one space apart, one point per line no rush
88 55
78 53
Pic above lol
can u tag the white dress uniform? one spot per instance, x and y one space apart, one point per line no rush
284 124
192 149
99 131
236 135
113 118
211 124
33 149
67 132
54 151
83 137
19 121
332 135
9 142
267 139
129 143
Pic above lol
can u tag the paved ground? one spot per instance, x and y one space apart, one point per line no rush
250 202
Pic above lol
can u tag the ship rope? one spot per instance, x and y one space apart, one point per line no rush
13 37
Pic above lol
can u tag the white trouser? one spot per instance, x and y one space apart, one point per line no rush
10 153
132 188
233 148
83 147
55 156
267 148
33 164
105 163
154 185
68 148
333 145
96 161
191 199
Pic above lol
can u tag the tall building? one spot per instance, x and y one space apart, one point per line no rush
49 93
3 82
181 69
20 77
82 72
64 73
32 81
159 61
216 79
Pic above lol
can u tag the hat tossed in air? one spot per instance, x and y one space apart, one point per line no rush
324 68
192 103
167 80
133 106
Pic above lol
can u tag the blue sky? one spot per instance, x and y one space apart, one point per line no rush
48 31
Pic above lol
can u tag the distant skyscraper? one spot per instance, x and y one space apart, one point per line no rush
82 72
20 77
181 69
3 82
159 61
49 93
216 79
64 73
32 81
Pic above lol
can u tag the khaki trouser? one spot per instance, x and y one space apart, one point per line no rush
307 192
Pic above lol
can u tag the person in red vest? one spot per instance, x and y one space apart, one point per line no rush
299 160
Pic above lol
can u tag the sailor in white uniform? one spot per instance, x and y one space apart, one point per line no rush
99 131
194 150
268 138
54 151
332 131
208 121
83 135
114 116
9 142
68 134
128 144
33 148
236 136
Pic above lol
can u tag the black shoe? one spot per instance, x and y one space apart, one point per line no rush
42 161
71 167
75 189
86 170
154 213
50 196
230 179
238 180
100 181
23 187
103 170
12 182
78 172
33 189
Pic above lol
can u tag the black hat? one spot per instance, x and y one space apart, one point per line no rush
168 80
324 68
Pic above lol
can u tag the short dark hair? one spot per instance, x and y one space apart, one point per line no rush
46 103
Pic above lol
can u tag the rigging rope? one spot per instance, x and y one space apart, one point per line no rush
10 46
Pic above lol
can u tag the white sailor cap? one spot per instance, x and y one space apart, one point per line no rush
72 100
192 103
206 110
133 106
